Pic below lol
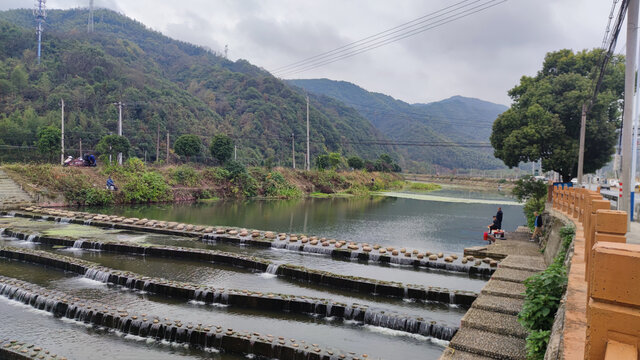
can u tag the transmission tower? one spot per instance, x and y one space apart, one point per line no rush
226 51
40 13
90 23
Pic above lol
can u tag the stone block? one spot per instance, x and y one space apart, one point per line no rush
615 273
611 221
607 322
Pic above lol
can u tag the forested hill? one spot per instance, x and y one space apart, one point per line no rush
457 119
166 84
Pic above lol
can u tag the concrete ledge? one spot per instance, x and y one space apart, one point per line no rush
233 297
489 344
504 288
143 325
498 323
19 350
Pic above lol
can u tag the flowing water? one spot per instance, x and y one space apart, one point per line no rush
448 223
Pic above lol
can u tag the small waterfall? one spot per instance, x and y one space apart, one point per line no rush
273 269
87 222
11 214
354 255
98 275
452 298
32 238
78 244
1 231
63 220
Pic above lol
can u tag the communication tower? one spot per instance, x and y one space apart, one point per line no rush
40 13
90 23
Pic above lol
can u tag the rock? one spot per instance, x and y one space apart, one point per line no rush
478 263
382 250
128 221
376 246
180 227
420 256
189 227
255 233
428 253
208 230
394 252
440 255
244 233
486 260
390 248
366 249
232 232
493 263
326 243
198 228
407 254
448 259
470 258
415 252
171 225
433 257
270 235
313 242
464 260
293 238
403 250
305 240
220 231
454 256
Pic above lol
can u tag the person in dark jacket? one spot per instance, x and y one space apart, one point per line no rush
499 217
494 225
538 226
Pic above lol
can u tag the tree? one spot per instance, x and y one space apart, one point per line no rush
113 144
386 164
335 160
323 162
529 187
188 145
544 119
355 162
49 141
221 148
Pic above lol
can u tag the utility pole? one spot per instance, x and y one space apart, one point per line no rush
583 125
62 135
167 148
293 150
308 158
81 148
629 83
235 152
119 103
158 143
90 22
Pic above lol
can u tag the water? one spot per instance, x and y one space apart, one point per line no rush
346 335
427 225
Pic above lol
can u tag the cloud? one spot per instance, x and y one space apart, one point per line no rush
482 55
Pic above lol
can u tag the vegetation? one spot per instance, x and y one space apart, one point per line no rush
534 193
188 145
542 298
417 186
49 141
544 120
456 119
355 162
221 148
172 87
113 145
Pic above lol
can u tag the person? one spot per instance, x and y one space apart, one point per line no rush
499 217
538 226
110 184
494 225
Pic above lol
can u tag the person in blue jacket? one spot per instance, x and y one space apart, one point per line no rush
538 226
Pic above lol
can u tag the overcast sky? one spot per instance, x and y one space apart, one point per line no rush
482 55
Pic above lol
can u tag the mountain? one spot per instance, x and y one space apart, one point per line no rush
166 85
457 119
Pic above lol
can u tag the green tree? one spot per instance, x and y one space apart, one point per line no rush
113 144
323 162
19 78
49 141
335 160
544 119
355 162
188 145
529 187
221 148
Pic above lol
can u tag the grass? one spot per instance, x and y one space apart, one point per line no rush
419 186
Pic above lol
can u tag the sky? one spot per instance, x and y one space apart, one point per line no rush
482 55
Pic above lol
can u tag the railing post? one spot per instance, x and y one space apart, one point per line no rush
613 308
590 230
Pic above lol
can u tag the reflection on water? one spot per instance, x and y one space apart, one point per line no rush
428 225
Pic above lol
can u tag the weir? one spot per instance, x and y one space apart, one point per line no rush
364 285
239 298
339 249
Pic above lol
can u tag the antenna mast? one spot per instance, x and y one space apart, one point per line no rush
90 23
40 13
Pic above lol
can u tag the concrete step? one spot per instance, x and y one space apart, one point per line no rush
504 288
493 322
513 275
453 354
527 263
489 344
501 304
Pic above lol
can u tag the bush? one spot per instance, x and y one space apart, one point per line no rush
355 162
542 298
188 145
147 187
277 186
97 197
216 174
235 168
424 186
185 175
528 187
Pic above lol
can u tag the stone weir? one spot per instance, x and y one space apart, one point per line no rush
325 278
19 350
340 249
154 327
237 298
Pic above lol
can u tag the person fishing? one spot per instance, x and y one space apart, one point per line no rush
110 184
499 218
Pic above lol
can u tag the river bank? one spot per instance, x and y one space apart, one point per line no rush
52 185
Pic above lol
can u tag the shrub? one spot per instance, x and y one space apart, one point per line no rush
134 165
97 197
356 162
424 186
188 145
537 342
221 148
277 186
147 187
216 174
235 168
185 175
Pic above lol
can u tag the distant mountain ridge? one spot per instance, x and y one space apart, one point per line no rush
457 119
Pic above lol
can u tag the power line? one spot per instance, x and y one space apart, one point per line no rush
356 50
